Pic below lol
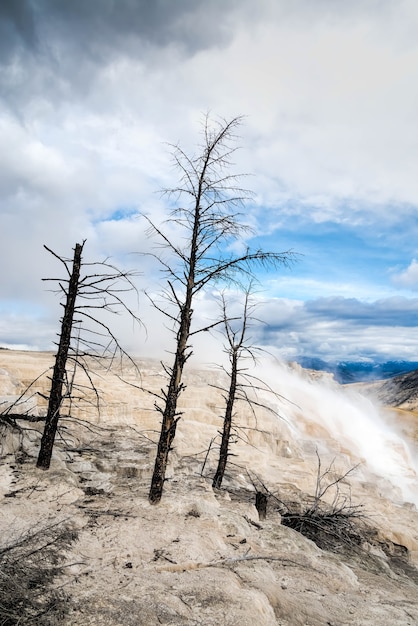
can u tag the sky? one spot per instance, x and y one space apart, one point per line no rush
92 93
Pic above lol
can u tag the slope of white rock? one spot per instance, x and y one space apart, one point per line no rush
201 557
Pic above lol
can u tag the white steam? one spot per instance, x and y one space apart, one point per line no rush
342 421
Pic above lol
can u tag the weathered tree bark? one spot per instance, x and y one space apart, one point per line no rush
58 376
168 429
175 386
226 432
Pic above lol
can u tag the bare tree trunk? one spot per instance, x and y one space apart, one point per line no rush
170 414
168 431
226 433
58 377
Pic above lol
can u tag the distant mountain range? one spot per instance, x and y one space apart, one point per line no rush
358 371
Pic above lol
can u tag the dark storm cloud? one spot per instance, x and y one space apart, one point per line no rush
394 311
102 27
16 26
56 50
290 316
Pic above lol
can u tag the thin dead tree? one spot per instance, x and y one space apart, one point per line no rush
207 224
89 289
237 348
243 388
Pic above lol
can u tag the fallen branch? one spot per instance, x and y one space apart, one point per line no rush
252 523
114 514
183 567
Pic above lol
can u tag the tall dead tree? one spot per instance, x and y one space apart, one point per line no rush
207 223
58 376
88 289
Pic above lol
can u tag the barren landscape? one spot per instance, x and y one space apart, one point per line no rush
204 556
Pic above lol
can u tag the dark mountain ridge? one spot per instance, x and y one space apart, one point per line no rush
359 371
400 391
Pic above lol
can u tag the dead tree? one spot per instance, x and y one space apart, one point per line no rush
243 387
32 566
89 288
58 376
208 223
236 349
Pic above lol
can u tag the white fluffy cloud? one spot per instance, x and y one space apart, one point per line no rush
409 277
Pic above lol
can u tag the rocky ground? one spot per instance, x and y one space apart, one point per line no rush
201 557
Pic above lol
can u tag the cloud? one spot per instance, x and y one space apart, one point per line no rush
17 26
394 311
341 328
90 91
97 30
330 93
408 278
